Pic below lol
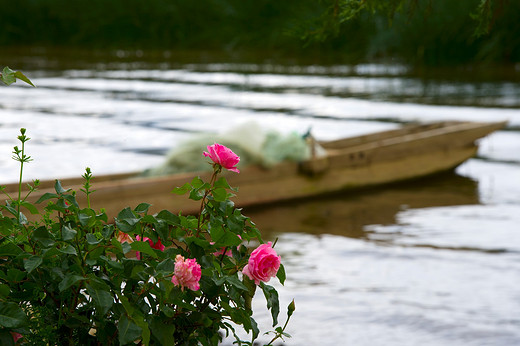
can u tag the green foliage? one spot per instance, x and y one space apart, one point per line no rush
72 278
9 76
427 32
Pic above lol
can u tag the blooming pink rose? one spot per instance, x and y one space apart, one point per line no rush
158 245
124 237
263 264
187 273
223 156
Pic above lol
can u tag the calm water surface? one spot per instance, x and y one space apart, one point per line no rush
432 262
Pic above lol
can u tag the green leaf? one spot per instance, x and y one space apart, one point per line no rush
290 308
6 338
32 209
169 217
182 190
222 182
42 235
15 275
128 330
143 246
9 249
142 208
197 182
196 195
8 76
87 217
233 280
271 295
68 233
46 196
103 300
281 274
68 281
11 315
68 249
219 194
59 189
32 263
4 290
168 265
6 226
162 332
22 77
140 322
92 239
126 220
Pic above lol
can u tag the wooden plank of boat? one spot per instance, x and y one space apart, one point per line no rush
409 152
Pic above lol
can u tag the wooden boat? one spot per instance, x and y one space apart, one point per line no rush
409 152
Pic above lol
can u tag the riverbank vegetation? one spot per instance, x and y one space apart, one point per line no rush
433 33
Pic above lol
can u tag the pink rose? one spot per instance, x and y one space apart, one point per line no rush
263 264
187 273
124 237
223 156
158 245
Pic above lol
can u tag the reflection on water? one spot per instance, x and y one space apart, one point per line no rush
431 262
347 213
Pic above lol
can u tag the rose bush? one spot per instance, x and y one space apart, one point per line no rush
74 277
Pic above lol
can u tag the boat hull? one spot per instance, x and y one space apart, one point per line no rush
353 163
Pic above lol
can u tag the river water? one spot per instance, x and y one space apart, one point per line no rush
430 262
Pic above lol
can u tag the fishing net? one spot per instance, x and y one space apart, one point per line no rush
250 141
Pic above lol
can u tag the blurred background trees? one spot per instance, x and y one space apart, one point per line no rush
419 32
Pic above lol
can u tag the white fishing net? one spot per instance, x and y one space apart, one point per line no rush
250 141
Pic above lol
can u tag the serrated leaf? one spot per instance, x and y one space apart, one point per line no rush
222 183
11 315
6 338
32 209
162 331
68 249
69 280
233 280
32 263
103 300
143 246
87 217
15 275
169 217
9 249
46 196
22 77
59 189
196 195
168 265
182 189
271 295
4 290
68 233
43 236
8 76
281 274
92 239
219 194
128 330
197 182
142 208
